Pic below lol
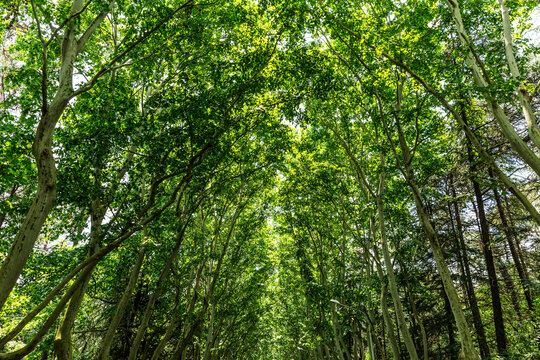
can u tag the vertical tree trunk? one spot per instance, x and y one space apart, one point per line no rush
384 292
450 328
369 313
477 319
509 284
210 334
500 333
417 316
190 301
469 352
337 334
370 344
513 251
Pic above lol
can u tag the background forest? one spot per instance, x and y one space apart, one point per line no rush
265 179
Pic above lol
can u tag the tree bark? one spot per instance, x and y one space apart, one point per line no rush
337 335
45 197
174 321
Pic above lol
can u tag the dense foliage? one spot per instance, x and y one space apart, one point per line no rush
269 179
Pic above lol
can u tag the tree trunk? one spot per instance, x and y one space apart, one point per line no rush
513 251
62 340
42 148
450 327
174 320
121 307
392 280
467 346
477 319
30 229
463 328
500 333
417 316
212 334
509 284
370 344
141 330
526 154
384 292
337 334
528 113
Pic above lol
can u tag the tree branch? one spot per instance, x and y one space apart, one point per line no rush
64 23
107 68
92 28
44 105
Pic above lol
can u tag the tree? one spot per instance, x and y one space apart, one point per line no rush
268 180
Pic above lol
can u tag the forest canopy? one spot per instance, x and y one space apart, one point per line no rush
267 180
